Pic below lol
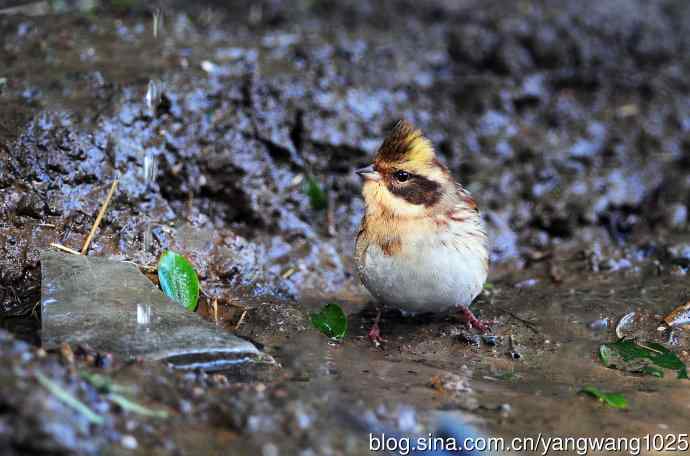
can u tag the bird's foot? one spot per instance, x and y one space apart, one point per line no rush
483 326
374 334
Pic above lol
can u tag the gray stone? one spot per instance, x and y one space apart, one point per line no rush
112 307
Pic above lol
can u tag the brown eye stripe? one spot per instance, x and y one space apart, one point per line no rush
417 190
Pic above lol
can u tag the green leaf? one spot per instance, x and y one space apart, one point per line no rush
317 196
614 400
178 279
331 321
134 407
103 384
646 358
68 399
605 355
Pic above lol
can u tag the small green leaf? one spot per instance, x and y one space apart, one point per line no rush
614 400
68 399
605 355
317 196
331 321
103 384
134 407
646 358
178 279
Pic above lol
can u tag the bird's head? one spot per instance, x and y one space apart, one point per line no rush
406 179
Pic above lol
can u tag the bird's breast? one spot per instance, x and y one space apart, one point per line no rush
430 273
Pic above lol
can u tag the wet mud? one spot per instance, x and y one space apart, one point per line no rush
568 122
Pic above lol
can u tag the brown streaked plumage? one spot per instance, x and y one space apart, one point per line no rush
400 144
422 244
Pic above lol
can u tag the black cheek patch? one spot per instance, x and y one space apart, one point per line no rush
417 190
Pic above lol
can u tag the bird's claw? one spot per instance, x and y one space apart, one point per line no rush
374 335
483 326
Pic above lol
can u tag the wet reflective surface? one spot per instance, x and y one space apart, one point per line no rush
111 307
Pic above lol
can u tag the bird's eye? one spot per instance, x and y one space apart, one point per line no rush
401 176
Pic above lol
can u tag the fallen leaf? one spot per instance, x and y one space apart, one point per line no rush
614 400
178 279
646 358
68 399
331 321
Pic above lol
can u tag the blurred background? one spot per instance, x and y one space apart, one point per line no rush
568 121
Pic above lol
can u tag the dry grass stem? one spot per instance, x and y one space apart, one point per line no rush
64 249
239 322
99 217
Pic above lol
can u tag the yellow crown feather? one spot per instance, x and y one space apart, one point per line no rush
405 143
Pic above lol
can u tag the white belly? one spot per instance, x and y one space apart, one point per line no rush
425 277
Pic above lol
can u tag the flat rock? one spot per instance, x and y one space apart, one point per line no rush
112 307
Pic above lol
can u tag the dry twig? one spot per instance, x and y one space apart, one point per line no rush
64 249
239 322
99 217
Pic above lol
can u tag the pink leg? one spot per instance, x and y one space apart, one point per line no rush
472 321
375 333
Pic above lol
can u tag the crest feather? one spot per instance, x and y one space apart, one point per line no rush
405 143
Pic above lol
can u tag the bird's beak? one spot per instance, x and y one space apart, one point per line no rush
368 173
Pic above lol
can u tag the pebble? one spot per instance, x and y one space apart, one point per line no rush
527 283
677 216
185 407
599 325
490 340
129 442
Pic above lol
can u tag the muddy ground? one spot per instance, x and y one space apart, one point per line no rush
568 121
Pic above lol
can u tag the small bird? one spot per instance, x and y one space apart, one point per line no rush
422 246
